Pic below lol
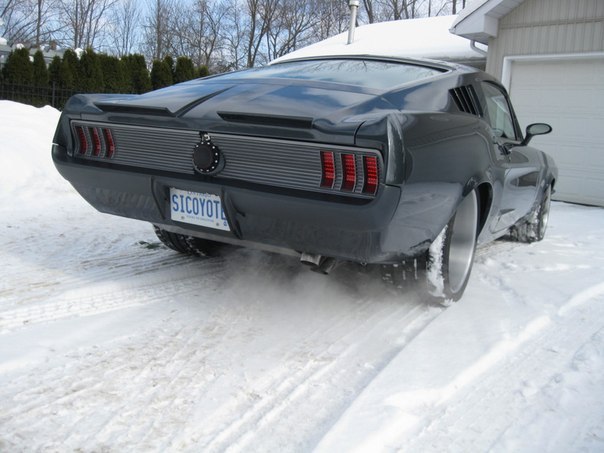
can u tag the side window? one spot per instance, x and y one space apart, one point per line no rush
498 110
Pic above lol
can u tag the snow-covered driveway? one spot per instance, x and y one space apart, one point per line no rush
110 342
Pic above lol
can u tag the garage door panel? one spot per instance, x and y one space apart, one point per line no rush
569 105
576 73
569 95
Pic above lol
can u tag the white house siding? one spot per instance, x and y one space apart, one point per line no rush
538 27
550 56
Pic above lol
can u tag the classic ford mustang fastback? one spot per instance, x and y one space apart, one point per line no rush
408 163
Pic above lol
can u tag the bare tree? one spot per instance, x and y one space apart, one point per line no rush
197 30
261 14
125 27
370 11
83 21
5 6
247 25
16 25
39 6
157 29
334 18
233 36
400 9
8 8
384 10
221 34
454 4
27 21
291 26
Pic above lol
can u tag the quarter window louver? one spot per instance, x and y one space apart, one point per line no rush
466 100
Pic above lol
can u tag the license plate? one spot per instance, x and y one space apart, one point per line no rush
202 209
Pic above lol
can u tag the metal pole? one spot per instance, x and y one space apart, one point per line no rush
354 6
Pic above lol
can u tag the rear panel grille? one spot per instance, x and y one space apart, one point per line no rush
271 162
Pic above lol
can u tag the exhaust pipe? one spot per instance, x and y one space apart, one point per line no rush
354 6
318 263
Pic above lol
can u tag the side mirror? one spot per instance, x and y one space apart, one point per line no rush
535 129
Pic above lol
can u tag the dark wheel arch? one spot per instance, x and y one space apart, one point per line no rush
533 227
485 202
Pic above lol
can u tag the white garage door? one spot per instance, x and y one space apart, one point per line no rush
569 95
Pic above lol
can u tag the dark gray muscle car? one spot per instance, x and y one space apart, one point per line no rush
405 163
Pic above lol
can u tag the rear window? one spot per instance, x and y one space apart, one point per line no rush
363 73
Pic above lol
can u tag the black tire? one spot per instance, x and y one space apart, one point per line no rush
532 228
189 245
450 258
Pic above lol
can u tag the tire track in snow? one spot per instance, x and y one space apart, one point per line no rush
171 346
113 391
483 410
30 283
184 365
146 389
496 247
309 393
102 296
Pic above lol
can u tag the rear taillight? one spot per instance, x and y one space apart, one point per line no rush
109 142
370 165
82 141
353 172
93 141
328 166
96 141
349 168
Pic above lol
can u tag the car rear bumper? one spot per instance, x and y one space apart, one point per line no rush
275 220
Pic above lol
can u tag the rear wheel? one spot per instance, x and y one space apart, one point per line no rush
188 245
533 228
450 257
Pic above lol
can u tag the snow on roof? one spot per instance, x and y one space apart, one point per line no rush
412 38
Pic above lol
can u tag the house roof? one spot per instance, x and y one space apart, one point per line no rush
48 54
479 21
412 38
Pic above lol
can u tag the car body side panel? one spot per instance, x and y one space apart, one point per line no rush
522 171
447 156
522 176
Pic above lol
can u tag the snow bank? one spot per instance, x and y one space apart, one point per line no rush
25 154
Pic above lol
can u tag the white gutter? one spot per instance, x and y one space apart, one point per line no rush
478 49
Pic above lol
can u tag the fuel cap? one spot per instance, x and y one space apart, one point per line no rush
206 156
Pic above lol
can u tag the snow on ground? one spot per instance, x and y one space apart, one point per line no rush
110 342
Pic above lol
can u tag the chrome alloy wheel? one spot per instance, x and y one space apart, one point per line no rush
544 214
462 242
